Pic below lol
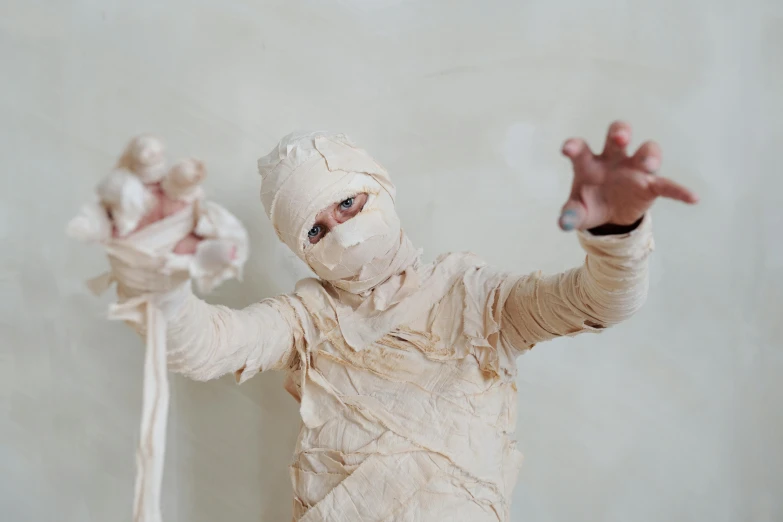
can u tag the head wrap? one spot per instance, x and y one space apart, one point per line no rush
306 173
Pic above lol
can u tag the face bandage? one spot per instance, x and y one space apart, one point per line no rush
307 173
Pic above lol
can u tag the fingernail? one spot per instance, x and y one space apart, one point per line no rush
651 163
568 220
621 137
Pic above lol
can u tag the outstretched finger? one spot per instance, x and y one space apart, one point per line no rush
647 158
666 188
579 153
617 139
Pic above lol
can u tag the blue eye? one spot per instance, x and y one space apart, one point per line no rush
314 232
348 203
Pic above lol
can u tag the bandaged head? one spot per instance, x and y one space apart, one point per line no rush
308 172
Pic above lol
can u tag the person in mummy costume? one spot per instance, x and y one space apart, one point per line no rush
403 370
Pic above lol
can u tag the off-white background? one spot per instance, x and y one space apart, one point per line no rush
676 415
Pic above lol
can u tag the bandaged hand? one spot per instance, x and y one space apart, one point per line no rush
156 225
614 188
163 205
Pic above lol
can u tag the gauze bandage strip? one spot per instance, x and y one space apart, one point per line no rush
148 274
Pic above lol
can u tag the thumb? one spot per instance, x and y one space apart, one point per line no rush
572 216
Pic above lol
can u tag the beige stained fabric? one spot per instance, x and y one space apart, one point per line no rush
405 386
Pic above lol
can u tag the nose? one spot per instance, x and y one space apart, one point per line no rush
339 217
332 219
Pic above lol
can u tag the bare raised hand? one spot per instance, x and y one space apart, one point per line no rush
613 187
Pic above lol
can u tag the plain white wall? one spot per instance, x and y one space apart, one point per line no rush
676 415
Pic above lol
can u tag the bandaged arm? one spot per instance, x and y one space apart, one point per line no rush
607 289
206 341
203 341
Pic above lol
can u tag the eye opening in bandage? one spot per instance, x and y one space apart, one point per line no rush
340 197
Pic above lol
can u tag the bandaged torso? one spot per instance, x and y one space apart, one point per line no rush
418 424
415 425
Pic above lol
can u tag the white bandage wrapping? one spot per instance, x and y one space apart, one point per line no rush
404 371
